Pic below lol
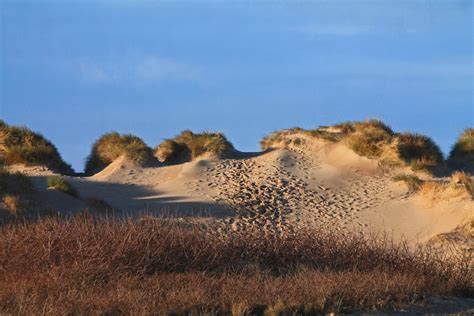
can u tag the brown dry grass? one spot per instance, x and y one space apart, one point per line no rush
188 146
459 186
20 145
13 204
16 191
93 266
113 145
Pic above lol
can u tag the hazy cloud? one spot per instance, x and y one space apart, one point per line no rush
149 70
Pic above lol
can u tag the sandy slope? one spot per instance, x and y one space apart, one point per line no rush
317 184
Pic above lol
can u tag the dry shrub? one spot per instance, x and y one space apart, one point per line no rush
113 145
461 179
92 266
462 154
20 145
16 190
188 146
13 204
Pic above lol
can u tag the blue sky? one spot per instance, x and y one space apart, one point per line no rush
76 69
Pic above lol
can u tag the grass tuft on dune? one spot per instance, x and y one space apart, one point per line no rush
371 138
113 145
20 145
188 146
462 154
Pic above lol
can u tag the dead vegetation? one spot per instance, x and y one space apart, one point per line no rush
20 145
188 146
459 186
93 266
113 145
16 192
370 138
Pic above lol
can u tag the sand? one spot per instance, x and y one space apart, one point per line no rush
317 184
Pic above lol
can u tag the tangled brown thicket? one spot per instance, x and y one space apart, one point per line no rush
85 265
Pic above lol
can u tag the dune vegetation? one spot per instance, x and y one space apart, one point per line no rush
96 266
16 191
462 154
61 184
188 146
370 138
111 146
20 145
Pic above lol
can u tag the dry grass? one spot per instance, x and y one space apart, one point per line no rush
370 138
16 192
20 145
412 181
462 153
61 184
188 146
367 138
113 145
459 186
94 266
13 204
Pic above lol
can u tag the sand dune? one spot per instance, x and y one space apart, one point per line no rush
314 184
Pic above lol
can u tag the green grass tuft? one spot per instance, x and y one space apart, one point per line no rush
61 184
412 181
419 151
461 156
111 146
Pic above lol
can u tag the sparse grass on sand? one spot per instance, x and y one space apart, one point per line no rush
97 266
20 145
412 181
113 145
462 153
370 138
188 146
61 184
459 186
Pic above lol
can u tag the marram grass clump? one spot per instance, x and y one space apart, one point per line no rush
462 153
113 145
372 139
188 146
61 184
20 145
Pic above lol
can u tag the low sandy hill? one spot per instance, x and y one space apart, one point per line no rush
303 179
